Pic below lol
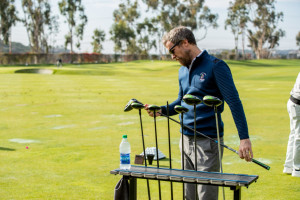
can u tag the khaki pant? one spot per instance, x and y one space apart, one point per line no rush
293 148
207 160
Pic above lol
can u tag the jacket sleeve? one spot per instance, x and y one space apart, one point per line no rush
230 94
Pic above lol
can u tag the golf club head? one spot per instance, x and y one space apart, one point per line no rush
191 99
212 101
181 109
128 106
137 105
153 108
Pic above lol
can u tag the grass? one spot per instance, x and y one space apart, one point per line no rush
73 122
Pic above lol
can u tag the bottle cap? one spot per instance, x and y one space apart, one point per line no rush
124 136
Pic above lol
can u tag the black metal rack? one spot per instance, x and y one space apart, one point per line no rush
234 181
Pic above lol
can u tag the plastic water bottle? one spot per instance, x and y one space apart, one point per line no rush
125 153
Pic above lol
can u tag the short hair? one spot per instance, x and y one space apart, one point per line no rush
178 34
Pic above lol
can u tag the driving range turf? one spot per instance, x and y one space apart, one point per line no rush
60 133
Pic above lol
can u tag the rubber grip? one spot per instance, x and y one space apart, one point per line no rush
261 164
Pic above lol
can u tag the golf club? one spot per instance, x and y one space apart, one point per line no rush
155 108
227 147
193 100
181 110
215 102
139 106
128 106
169 140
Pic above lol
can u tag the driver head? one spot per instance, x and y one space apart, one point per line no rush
191 99
137 105
154 108
180 109
212 101
128 106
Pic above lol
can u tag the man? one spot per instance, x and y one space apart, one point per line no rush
202 74
59 63
292 162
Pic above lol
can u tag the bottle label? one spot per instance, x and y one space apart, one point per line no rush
125 158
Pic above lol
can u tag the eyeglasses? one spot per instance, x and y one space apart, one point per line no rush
171 50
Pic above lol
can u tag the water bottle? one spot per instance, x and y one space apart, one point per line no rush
125 153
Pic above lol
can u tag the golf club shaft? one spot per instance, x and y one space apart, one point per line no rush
195 148
182 153
219 142
156 143
169 138
227 147
195 138
148 187
219 146
142 136
157 158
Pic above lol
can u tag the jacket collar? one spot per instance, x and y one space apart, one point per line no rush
197 58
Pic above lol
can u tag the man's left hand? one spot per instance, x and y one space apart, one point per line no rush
245 151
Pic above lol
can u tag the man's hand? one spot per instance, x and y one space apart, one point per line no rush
245 151
150 113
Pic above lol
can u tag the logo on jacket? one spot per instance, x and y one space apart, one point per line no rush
202 76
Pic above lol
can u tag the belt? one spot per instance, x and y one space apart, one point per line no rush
294 100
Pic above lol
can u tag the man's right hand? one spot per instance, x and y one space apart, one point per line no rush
150 113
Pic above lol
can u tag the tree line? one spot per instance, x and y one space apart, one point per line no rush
42 24
139 25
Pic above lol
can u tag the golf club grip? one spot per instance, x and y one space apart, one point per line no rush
261 164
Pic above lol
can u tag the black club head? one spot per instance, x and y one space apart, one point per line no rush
212 101
137 105
128 106
153 108
191 99
181 109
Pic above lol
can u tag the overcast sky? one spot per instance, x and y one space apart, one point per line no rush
99 13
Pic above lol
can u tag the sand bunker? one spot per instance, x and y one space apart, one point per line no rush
22 141
35 71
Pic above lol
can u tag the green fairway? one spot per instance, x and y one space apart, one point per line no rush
72 123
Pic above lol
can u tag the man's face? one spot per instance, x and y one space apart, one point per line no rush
179 52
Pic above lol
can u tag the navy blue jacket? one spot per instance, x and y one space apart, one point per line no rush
209 76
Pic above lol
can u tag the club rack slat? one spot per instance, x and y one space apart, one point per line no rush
234 181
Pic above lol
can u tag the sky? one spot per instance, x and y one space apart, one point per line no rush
100 15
